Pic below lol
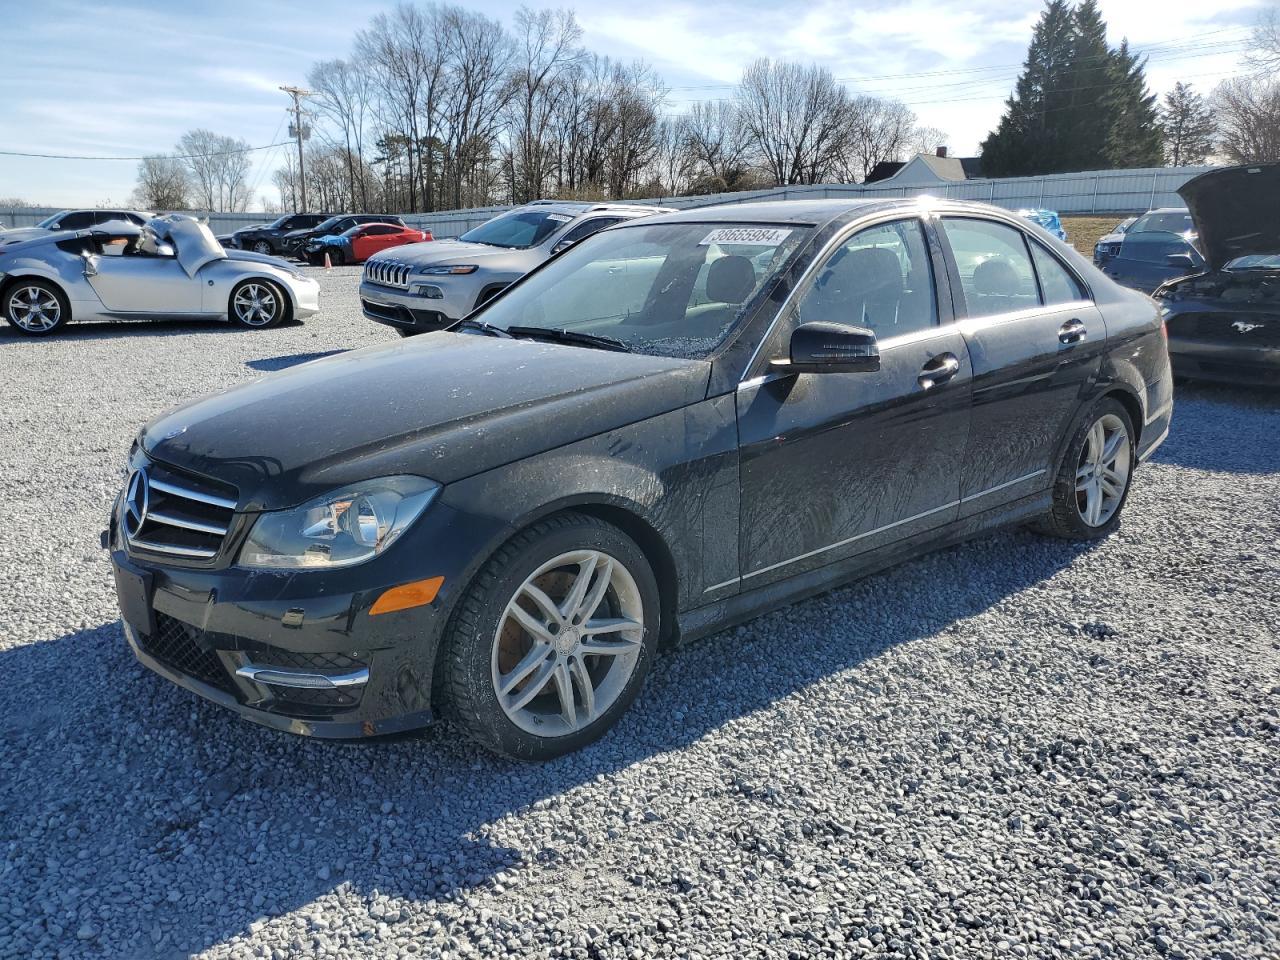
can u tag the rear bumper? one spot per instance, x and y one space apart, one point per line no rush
1225 363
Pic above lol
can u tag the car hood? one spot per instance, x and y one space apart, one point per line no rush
277 262
20 234
1236 211
443 406
433 252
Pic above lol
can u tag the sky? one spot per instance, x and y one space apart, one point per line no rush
127 78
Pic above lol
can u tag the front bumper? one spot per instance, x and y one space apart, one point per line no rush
410 311
1225 363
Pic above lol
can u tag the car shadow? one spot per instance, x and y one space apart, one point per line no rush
269 364
227 822
1207 442
111 329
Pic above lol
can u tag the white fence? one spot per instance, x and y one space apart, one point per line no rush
1095 191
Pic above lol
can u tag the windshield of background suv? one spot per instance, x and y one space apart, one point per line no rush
670 289
1176 222
518 230
325 225
47 222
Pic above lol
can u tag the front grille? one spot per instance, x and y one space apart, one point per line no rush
311 662
174 515
1228 329
388 273
177 645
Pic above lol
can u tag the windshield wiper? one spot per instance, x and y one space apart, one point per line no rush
571 336
483 327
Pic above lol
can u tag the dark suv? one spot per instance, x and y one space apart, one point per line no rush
292 243
267 239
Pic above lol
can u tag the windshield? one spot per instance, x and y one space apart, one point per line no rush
518 229
671 289
1171 222
1255 261
48 222
326 225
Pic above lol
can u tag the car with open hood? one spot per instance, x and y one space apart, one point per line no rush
1224 319
170 267
427 287
675 425
1048 219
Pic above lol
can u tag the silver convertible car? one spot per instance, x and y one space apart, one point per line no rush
172 266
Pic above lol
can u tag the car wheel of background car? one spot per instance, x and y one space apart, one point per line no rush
1093 481
552 640
336 257
36 307
257 304
262 246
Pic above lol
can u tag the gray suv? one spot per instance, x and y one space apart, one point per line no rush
427 286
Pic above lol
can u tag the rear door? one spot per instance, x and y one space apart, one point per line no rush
838 464
1036 340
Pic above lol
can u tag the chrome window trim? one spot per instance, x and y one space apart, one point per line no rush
968 498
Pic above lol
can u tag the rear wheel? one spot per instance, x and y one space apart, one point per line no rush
552 641
1093 481
257 304
36 307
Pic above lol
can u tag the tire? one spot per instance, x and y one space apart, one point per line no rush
34 307
267 296
261 246
488 646
1092 484
336 257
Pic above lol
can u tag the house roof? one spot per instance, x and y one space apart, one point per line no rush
944 168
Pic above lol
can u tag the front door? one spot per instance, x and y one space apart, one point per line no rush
137 283
1035 339
836 464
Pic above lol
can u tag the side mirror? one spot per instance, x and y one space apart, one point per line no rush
1180 260
90 263
830 348
562 246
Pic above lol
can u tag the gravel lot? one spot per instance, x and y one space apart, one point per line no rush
1017 747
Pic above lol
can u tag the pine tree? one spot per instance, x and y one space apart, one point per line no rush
1134 138
1029 138
1087 116
1188 126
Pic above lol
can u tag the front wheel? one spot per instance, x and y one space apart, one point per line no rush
1093 482
36 307
552 641
262 247
256 304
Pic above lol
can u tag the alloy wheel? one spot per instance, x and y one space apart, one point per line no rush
34 309
262 247
1102 475
256 305
567 643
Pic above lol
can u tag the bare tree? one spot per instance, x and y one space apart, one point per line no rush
1264 45
1248 110
876 130
546 49
923 140
219 167
343 94
163 184
794 118
717 145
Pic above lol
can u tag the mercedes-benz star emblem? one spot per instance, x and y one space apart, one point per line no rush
136 501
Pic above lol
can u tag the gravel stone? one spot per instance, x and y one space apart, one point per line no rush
1015 747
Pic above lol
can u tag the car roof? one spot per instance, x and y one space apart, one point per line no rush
578 207
808 212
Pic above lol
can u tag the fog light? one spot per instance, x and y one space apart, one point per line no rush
427 290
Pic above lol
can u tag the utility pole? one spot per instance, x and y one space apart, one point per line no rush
298 131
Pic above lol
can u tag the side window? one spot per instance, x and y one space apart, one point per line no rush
291 224
1056 281
587 227
995 268
879 278
77 221
381 230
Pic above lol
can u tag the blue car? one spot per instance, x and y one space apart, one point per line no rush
1047 219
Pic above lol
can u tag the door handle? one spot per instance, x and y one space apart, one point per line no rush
1073 331
938 370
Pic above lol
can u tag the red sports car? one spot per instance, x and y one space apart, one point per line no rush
362 241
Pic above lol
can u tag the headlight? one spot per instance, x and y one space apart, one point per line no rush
445 271
338 529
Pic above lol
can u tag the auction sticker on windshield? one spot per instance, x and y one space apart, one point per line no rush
766 236
558 217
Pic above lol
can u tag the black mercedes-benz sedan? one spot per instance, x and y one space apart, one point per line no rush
673 426
1224 321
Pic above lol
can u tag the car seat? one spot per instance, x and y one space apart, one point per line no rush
996 287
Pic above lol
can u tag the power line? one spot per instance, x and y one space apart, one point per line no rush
150 156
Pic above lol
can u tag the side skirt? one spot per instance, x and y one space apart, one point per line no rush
714 617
